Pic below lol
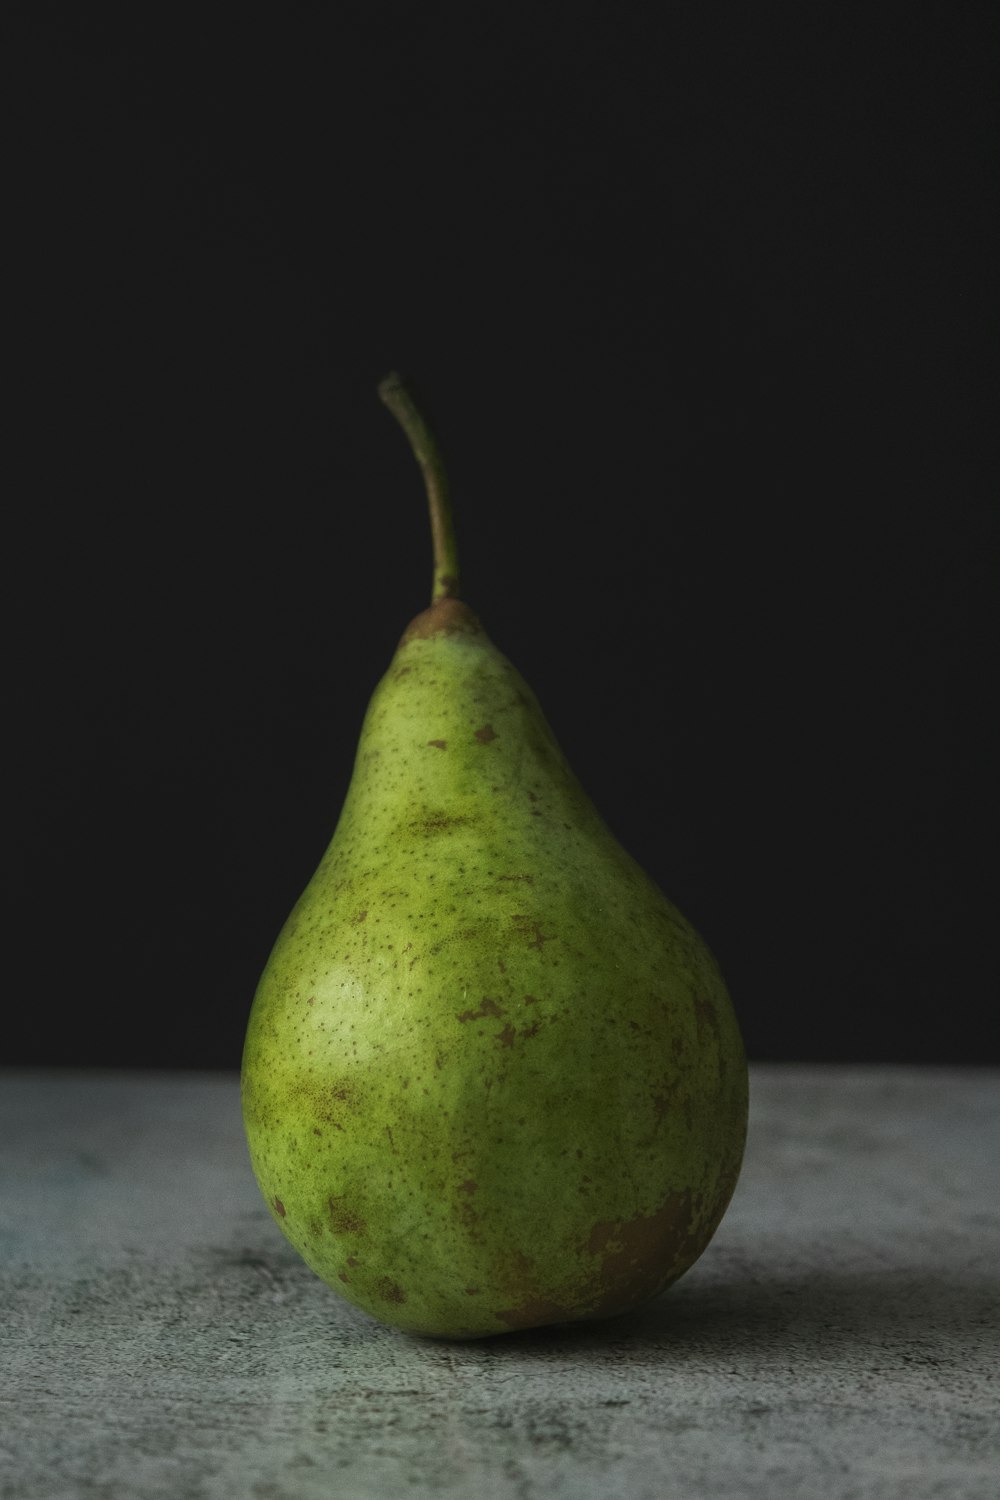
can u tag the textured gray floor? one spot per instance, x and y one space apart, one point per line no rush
839 1338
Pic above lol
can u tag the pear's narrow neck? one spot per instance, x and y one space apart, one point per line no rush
444 617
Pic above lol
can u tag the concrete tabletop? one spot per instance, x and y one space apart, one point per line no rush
839 1337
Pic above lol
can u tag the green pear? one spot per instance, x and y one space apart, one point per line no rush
492 1078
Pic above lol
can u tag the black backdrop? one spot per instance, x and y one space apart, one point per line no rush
697 296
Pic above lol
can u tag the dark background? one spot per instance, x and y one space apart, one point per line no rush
699 297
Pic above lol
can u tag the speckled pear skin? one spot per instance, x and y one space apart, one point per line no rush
492 1078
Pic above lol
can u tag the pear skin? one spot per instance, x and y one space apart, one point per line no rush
492 1078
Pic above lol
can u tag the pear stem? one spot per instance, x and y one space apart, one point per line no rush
425 449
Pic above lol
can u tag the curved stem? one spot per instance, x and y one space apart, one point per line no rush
403 407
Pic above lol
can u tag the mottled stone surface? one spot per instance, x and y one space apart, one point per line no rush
839 1338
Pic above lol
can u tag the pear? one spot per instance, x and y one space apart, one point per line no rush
492 1078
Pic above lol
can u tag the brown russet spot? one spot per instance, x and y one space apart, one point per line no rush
487 1007
706 1016
531 1000
528 879
506 1037
279 1207
486 734
468 1218
705 1013
471 1291
518 1268
528 927
661 1104
640 1256
438 744
444 617
344 1219
311 1000
358 918
468 1186
437 823
390 1290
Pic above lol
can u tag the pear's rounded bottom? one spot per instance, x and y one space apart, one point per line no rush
599 1289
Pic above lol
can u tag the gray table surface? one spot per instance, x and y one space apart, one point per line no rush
839 1337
